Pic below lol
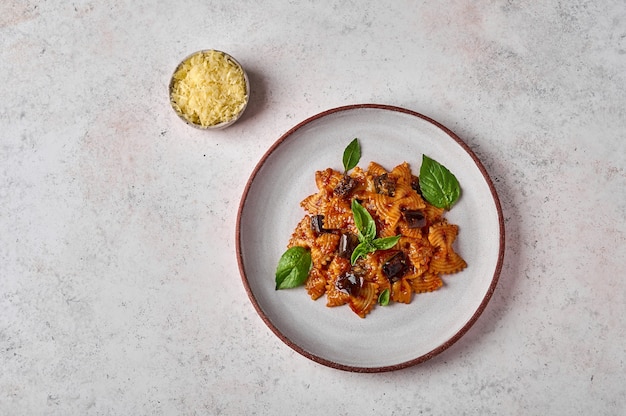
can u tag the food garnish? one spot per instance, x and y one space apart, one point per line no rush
438 185
293 268
366 227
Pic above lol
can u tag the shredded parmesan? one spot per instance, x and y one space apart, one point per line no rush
209 88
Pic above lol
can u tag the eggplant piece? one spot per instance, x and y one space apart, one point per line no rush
345 186
317 224
347 244
415 184
385 185
414 218
349 283
395 267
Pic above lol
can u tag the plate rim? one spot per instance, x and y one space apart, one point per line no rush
424 357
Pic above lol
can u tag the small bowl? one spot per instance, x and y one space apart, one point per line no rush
219 123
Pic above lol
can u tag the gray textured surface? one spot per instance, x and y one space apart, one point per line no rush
119 288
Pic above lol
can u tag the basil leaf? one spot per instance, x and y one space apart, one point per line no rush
385 243
293 268
360 251
383 298
439 186
351 155
363 221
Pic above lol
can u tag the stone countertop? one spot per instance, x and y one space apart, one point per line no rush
119 287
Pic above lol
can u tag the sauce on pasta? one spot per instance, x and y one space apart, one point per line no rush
415 264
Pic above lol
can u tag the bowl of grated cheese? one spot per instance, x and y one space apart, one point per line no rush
209 90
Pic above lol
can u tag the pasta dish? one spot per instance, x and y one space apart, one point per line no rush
409 248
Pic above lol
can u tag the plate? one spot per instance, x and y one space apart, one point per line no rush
392 337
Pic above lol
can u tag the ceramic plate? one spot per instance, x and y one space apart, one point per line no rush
391 337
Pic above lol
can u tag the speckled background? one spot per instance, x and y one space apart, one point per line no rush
119 287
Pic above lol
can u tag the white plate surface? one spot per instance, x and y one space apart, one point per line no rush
389 337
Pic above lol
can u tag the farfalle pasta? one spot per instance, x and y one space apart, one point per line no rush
416 262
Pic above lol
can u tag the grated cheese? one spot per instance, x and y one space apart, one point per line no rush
208 88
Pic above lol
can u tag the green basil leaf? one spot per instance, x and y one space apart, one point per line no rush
438 185
351 155
383 298
293 268
386 243
363 221
360 251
